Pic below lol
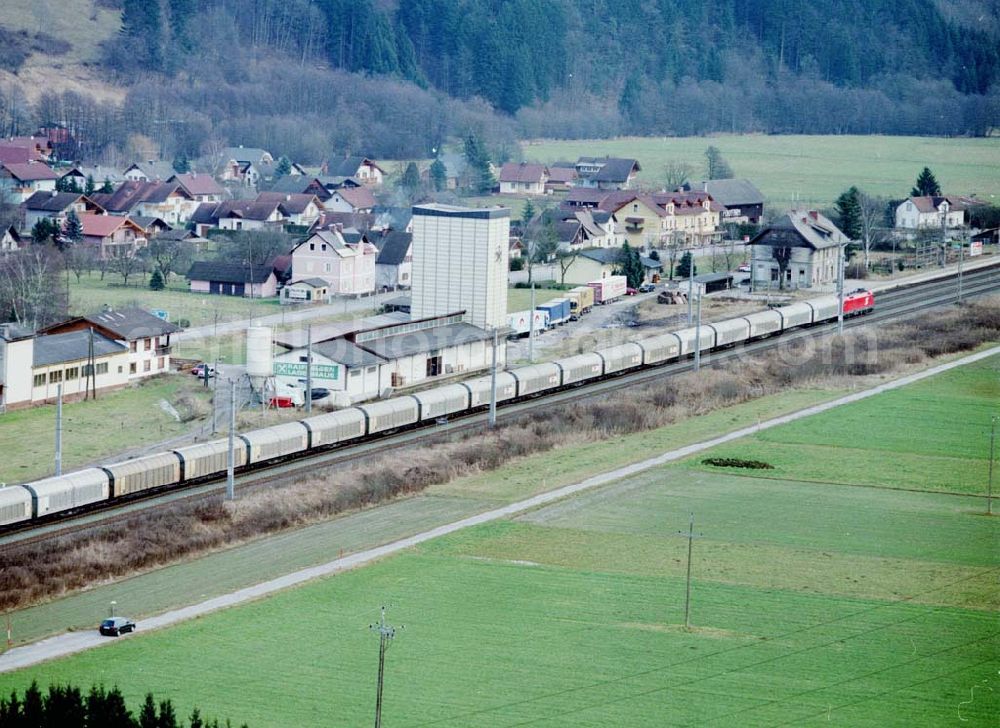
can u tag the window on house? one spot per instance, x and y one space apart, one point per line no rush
55 377
102 368
312 246
323 247
39 380
131 368
72 373
119 368
147 365
327 267
147 344
161 362
355 372
132 346
371 370
87 370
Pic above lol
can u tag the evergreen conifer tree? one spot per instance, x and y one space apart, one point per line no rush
927 185
848 206
156 281
439 175
73 230
684 266
88 188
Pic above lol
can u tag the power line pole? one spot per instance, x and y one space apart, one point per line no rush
59 430
690 283
385 634
989 487
961 256
231 459
309 368
841 250
690 535
531 329
697 337
493 381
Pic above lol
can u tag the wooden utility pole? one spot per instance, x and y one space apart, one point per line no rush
690 535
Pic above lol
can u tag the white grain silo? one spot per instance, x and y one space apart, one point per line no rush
260 357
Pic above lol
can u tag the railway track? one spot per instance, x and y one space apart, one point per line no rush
898 303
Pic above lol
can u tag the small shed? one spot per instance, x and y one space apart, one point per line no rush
709 283
307 290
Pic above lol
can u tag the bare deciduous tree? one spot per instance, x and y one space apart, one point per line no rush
32 292
872 216
675 174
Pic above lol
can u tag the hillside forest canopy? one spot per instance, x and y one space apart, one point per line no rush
311 78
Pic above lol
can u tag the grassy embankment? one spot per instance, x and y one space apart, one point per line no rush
93 429
812 601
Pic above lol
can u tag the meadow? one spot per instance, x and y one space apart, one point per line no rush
796 170
813 602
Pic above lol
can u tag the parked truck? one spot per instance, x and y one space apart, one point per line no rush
609 289
558 310
581 300
520 322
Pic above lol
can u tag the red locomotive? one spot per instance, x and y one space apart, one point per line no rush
859 302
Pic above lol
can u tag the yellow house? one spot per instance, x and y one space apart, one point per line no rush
644 223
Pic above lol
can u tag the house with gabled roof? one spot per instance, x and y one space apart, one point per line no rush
11 240
165 200
363 169
298 209
152 170
56 206
112 235
201 187
299 184
22 180
348 266
521 178
932 211
744 203
607 173
797 250
394 264
348 199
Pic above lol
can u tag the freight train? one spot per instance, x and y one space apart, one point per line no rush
61 495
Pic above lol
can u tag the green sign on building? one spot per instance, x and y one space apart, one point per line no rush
298 369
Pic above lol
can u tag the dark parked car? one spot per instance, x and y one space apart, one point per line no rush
647 288
116 625
318 393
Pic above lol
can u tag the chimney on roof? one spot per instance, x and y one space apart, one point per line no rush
814 215
288 198
55 192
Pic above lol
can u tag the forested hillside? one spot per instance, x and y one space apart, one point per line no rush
395 77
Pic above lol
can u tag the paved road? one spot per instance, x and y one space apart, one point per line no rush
70 643
362 306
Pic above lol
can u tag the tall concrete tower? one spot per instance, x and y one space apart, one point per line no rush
460 262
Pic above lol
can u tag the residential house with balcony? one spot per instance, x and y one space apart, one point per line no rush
200 187
363 169
112 236
56 206
521 178
165 200
939 211
607 173
22 180
152 170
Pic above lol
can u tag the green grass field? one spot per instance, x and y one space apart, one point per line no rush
935 434
812 604
92 429
201 309
807 169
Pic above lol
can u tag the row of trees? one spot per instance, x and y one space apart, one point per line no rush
67 706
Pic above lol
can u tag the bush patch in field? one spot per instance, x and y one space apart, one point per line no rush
737 463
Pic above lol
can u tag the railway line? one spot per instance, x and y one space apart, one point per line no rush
897 303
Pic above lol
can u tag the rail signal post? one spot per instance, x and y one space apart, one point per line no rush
59 430
697 336
493 381
690 535
989 486
840 289
231 459
386 633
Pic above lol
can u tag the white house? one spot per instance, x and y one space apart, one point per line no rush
349 267
798 250
394 265
918 213
521 178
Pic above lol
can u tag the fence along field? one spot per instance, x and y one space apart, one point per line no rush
864 606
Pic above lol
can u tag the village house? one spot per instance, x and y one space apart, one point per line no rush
302 210
607 173
152 170
921 213
644 223
394 264
11 240
233 279
362 169
300 185
165 200
351 199
112 236
594 264
146 336
22 180
238 164
56 206
521 178
100 175
201 187
561 178
798 250
32 148
349 267
744 203
692 217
